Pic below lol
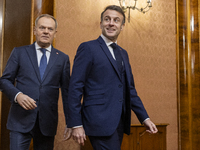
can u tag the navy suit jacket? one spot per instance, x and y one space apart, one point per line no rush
22 70
95 76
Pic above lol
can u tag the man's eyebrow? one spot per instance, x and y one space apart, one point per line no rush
107 16
112 17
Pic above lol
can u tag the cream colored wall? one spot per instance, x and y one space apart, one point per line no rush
150 40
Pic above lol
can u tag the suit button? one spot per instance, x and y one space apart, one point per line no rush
40 87
119 85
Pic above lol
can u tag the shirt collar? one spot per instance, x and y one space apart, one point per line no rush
37 47
106 40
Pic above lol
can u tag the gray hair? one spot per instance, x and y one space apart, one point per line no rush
47 16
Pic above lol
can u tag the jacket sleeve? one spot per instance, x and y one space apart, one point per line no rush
8 78
80 71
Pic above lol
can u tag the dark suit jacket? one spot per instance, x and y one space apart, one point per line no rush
22 69
96 77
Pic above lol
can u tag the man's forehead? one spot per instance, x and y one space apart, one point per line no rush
46 22
46 19
112 13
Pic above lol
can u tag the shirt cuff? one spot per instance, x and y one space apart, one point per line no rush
15 99
145 120
77 127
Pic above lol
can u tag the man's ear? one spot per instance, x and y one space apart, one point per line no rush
122 26
55 33
100 25
34 30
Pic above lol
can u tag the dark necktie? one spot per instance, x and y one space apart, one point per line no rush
118 56
43 62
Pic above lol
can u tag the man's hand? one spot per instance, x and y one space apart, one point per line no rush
26 102
67 133
78 135
150 127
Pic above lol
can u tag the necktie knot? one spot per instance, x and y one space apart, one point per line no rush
113 45
43 50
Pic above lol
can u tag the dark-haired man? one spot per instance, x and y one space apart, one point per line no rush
38 70
102 75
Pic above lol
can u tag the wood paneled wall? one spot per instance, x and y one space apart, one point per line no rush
188 74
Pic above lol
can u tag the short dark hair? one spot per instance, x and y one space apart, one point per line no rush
47 16
116 8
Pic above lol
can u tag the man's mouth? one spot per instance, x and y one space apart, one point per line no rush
110 30
46 37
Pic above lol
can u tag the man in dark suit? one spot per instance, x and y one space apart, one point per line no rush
102 75
38 71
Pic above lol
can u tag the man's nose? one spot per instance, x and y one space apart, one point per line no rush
46 30
111 22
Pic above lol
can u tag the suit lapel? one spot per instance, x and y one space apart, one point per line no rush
33 57
53 56
108 54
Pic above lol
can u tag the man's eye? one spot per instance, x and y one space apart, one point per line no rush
42 27
106 19
117 20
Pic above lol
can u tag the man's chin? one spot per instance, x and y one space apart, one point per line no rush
44 43
112 38
110 34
